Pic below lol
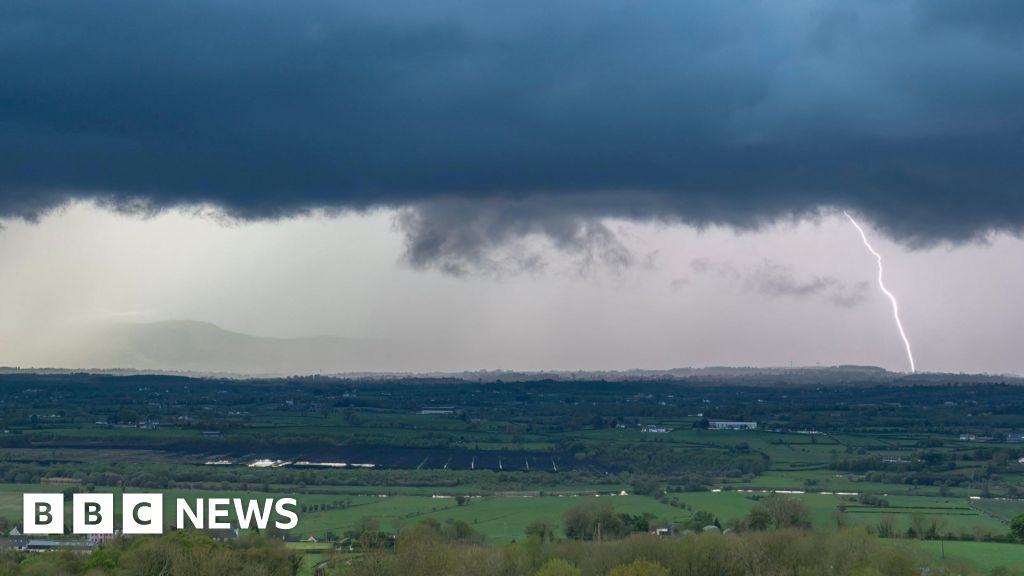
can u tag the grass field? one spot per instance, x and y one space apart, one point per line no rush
982 556
504 518
1003 509
952 514
500 518
829 481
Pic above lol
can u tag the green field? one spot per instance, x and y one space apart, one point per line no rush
503 518
500 518
1003 509
888 458
952 514
982 556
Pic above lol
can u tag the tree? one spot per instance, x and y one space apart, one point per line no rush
460 531
779 512
1017 526
886 527
421 552
841 518
918 525
699 520
558 567
367 524
542 529
647 486
595 519
640 568
375 563
350 417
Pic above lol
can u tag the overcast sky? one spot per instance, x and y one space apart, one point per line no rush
554 185
804 293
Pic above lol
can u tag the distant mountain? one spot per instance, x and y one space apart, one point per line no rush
201 348
188 346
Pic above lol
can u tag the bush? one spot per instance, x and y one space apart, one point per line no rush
777 512
1017 526
558 567
640 568
796 552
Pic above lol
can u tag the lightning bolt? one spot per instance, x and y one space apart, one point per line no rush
881 284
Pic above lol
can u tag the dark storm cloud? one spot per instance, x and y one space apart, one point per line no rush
551 114
776 280
773 279
459 235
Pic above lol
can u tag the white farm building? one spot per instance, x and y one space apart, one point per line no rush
732 425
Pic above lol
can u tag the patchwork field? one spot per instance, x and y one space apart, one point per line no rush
982 556
499 455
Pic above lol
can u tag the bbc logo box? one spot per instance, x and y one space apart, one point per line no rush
92 513
144 513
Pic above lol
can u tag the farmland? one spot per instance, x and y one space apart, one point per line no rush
915 461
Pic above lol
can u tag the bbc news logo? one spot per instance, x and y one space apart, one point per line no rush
144 513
